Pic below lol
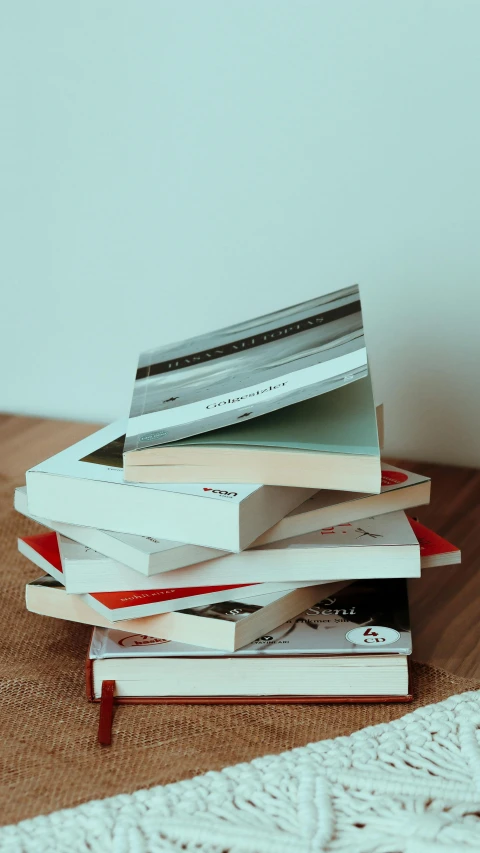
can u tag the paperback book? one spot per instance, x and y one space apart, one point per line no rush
227 625
144 554
385 546
246 370
400 490
84 485
87 571
352 643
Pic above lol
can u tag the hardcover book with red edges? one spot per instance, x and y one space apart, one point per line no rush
351 646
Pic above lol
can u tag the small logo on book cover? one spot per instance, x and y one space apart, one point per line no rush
374 635
132 640
220 492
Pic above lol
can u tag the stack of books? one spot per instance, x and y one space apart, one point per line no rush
238 537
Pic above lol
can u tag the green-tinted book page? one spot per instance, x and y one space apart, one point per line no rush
341 421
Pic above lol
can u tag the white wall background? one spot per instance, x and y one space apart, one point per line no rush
173 166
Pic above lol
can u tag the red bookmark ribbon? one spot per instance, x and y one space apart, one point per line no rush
106 713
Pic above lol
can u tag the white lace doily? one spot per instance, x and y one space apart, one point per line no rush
409 786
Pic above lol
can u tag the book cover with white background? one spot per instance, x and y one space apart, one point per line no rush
384 546
84 485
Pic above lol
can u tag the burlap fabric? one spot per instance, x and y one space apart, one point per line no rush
50 758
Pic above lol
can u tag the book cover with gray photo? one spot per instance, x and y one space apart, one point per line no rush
246 370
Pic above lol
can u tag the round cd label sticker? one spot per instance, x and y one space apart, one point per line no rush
373 635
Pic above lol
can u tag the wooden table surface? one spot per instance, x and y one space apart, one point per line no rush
444 602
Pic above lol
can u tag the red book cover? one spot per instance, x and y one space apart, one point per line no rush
118 600
431 544
46 545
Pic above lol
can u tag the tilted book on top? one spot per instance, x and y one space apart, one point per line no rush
246 370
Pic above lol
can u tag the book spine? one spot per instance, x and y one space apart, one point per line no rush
261 700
